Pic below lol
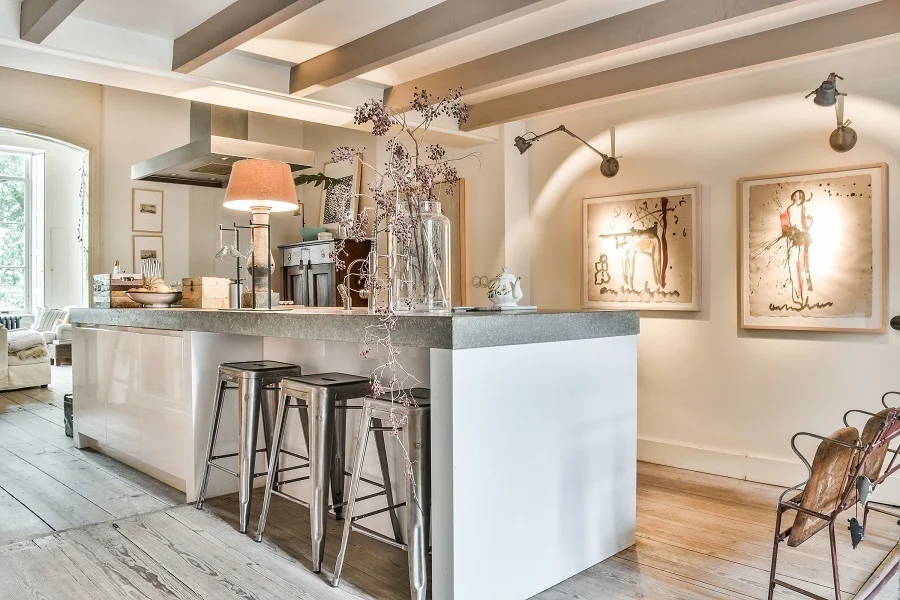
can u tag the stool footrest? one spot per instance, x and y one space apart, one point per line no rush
221 468
359 499
295 479
377 512
378 536
232 455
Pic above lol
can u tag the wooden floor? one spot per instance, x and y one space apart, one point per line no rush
699 537
48 485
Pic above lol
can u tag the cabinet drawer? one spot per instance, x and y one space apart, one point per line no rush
316 254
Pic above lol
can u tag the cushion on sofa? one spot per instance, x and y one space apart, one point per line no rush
46 319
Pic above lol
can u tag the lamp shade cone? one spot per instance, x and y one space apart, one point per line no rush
256 184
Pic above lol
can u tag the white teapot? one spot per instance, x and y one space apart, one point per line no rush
505 289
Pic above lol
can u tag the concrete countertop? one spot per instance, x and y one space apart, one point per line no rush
456 331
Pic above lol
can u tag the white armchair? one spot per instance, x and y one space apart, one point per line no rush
16 373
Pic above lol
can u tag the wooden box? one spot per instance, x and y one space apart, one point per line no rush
109 292
205 292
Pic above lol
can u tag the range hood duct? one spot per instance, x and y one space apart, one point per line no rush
218 139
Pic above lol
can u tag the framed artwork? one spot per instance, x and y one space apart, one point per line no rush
147 210
147 246
343 198
641 251
814 250
453 205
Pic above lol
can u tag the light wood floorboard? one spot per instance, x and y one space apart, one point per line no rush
699 538
46 484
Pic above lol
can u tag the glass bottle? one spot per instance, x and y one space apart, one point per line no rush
421 260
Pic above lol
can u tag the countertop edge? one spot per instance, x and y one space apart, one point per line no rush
459 331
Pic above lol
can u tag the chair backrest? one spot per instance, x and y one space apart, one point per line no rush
827 483
881 428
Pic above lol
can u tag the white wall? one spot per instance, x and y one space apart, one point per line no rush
137 126
712 396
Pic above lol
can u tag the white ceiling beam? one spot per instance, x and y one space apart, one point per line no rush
442 23
822 34
231 27
39 18
653 23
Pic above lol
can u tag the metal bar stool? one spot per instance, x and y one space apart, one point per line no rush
325 396
415 428
250 379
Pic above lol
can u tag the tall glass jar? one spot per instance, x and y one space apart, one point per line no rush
420 260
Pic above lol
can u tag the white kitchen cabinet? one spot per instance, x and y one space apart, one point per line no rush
132 395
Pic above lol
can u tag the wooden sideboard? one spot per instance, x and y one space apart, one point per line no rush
309 277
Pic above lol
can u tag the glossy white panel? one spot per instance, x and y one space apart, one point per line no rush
87 358
164 413
534 464
121 375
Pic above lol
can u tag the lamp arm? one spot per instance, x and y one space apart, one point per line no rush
563 129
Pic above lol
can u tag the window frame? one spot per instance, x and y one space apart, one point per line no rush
28 180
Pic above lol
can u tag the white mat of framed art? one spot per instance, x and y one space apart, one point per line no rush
641 250
814 250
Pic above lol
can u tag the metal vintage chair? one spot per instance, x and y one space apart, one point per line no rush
846 469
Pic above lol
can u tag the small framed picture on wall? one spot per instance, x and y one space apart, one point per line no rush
147 210
148 247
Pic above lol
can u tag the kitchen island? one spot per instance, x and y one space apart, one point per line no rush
534 420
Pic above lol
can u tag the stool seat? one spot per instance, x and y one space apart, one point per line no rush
418 396
266 372
327 380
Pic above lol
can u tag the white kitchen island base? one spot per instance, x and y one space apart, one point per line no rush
533 442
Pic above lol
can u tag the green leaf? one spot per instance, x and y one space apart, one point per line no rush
316 179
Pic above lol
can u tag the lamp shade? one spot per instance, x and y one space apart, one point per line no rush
261 184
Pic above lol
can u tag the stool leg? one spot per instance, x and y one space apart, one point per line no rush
418 522
362 439
268 403
386 479
321 446
338 465
210 449
249 393
272 476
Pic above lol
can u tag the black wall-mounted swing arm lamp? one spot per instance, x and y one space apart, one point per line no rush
609 166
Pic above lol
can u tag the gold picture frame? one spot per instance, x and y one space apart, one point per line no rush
641 250
813 250
147 243
147 210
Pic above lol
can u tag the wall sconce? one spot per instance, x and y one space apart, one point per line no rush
844 138
609 166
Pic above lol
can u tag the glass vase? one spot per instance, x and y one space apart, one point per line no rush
420 260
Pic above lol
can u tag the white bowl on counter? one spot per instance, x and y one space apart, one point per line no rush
155 299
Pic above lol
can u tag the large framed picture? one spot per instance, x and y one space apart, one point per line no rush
453 205
343 198
641 251
146 210
814 250
147 247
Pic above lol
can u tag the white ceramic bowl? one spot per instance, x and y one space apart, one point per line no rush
155 299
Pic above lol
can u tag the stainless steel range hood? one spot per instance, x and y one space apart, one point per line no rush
218 139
